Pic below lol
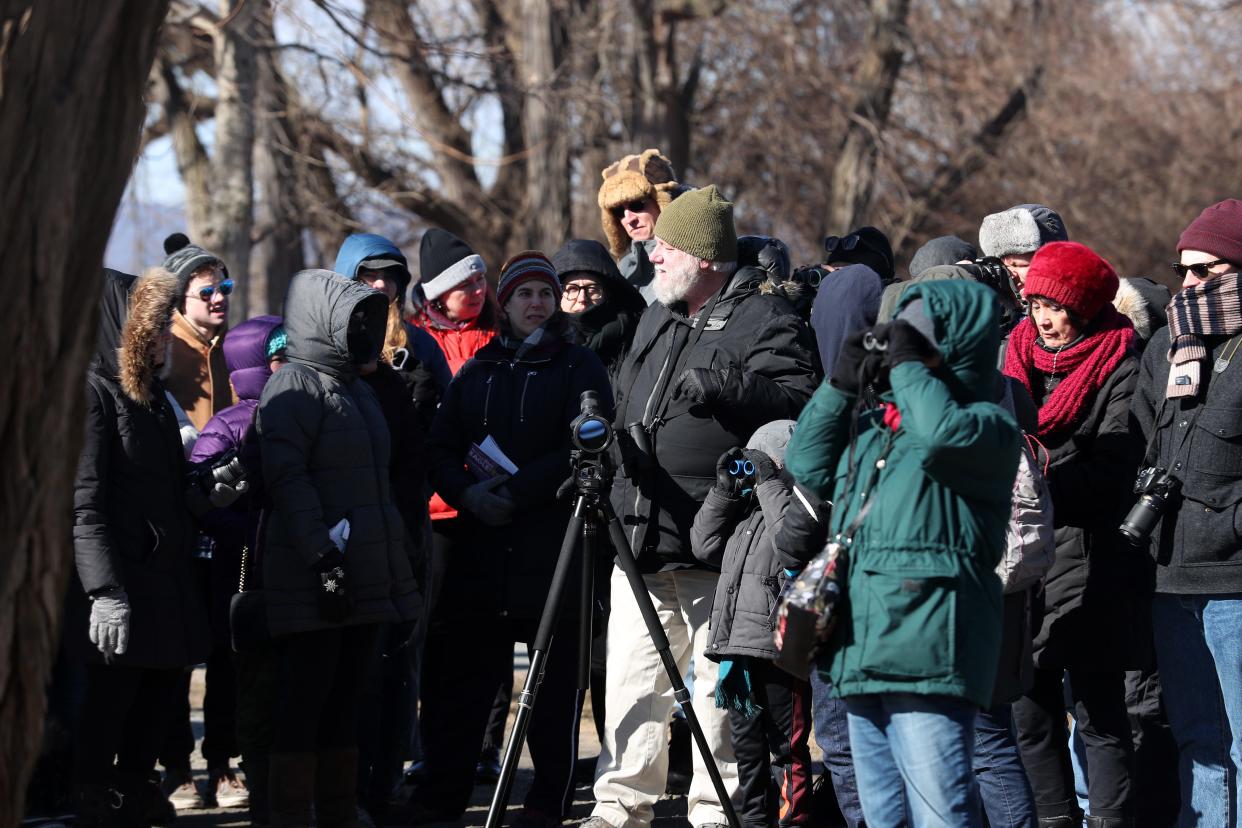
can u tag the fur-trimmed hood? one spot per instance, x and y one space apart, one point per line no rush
649 174
151 302
1144 302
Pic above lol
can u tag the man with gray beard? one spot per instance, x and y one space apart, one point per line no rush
712 360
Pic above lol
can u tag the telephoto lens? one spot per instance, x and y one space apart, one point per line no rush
1154 487
590 431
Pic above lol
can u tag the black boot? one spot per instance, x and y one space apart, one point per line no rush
680 758
255 766
291 789
97 806
336 788
144 800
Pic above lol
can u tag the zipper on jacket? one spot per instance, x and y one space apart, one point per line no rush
487 400
522 404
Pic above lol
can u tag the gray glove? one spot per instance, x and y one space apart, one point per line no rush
493 508
223 495
109 624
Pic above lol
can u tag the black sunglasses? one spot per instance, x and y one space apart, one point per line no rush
224 288
846 243
1200 270
636 206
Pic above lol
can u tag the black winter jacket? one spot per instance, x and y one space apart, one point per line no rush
131 529
1198 545
526 404
325 448
768 351
1096 611
735 536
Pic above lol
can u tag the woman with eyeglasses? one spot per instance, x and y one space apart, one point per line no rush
602 308
1077 356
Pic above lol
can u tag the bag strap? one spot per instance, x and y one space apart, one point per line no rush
847 537
246 553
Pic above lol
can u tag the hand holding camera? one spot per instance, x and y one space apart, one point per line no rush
216 484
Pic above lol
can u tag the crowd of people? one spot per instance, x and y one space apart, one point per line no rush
1025 470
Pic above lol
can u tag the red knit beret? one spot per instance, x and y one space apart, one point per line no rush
1072 275
1217 230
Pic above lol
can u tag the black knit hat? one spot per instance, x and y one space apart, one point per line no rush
185 258
444 262
866 246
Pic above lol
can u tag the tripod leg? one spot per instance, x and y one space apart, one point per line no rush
625 559
538 663
586 606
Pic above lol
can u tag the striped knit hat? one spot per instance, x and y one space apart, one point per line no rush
521 267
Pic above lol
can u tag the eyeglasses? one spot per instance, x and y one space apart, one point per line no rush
1201 270
205 293
636 206
593 292
846 243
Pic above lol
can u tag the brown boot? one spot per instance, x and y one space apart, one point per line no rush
291 788
336 788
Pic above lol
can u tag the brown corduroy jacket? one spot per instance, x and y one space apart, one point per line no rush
199 377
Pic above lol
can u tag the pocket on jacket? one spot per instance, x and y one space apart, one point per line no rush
1217 444
908 618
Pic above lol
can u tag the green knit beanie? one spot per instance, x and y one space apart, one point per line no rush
700 223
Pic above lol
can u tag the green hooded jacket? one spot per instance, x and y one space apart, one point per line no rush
924 603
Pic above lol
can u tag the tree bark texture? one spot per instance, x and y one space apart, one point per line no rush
72 73
547 142
232 172
854 173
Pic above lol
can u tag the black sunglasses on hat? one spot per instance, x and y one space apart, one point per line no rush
846 243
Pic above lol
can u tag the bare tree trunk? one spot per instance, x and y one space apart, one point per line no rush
232 203
277 251
72 74
547 165
854 173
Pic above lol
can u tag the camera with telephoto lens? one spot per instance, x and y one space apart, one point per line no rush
994 273
227 469
1154 486
590 431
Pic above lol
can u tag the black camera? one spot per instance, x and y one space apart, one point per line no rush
227 469
1154 486
991 271
590 431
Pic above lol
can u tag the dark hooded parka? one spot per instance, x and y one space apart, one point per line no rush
131 530
325 448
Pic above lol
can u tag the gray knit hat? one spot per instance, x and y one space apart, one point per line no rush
185 258
700 223
942 250
772 439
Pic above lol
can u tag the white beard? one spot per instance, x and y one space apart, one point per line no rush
672 286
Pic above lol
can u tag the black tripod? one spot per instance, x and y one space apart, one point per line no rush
592 478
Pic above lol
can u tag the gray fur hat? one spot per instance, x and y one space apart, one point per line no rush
1020 230
772 438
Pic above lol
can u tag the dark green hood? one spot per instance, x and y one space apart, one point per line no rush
966 316
318 307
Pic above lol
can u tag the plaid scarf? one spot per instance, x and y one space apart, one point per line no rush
1212 308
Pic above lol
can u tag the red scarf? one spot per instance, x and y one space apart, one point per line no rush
1087 365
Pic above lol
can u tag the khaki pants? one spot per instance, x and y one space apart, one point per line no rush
633 761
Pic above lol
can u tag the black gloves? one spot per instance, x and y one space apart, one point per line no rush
846 374
701 386
804 531
906 344
765 467
730 473
333 598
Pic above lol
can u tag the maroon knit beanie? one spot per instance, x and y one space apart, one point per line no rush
522 267
1217 230
1072 275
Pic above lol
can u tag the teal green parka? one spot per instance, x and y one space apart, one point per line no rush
924 603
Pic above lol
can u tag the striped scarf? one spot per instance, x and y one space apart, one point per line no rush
1213 308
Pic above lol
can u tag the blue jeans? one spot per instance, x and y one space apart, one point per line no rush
1199 653
1003 786
832 734
912 757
